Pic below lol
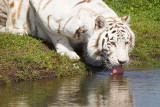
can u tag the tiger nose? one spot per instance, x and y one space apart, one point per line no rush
122 62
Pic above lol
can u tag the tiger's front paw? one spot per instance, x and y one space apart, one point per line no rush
73 55
70 54
20 32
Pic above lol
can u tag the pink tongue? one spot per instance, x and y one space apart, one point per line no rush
117 70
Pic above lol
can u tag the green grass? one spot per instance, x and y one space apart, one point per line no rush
145 23
147 48
137 8
26 58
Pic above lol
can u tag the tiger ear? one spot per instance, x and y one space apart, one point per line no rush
126 19
99 22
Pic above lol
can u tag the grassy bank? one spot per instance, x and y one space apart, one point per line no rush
28 58
145 23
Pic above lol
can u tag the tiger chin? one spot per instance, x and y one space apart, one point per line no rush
66 23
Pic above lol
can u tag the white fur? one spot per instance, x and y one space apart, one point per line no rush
64 21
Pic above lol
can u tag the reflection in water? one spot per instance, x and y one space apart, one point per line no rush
119 95
95 91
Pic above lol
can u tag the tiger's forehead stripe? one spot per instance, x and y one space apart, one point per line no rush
11 4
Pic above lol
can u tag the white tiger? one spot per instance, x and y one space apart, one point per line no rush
67 23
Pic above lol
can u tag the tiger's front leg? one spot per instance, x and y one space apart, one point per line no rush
63 46
17 17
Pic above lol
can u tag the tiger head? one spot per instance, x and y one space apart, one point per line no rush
112 41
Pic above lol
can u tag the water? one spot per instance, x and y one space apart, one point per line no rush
138 87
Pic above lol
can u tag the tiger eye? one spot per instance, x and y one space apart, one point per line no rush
112 43
114 31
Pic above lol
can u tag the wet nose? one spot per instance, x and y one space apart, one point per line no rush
122 62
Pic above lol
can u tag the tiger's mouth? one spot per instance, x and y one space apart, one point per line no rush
116 69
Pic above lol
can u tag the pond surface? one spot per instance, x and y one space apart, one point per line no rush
138 87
